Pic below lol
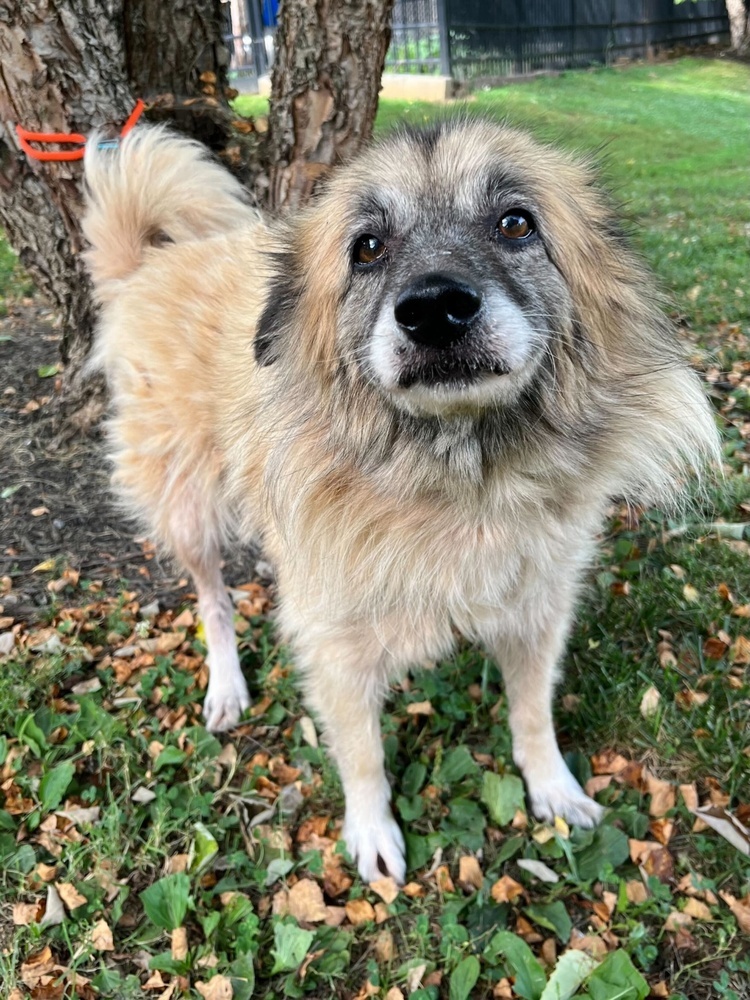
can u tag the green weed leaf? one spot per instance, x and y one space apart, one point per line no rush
503 796
617 979
291 944
553 916
54 784
569 972
166 902
463 978
529 975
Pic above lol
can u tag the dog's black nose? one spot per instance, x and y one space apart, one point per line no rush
437 309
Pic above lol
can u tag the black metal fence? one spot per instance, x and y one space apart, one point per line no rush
419 39
514 37
492 39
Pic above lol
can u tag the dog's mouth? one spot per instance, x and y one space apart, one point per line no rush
449 370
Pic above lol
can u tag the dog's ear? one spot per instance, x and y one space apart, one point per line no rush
276 318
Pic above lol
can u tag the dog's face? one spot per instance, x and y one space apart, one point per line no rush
449 269
442 269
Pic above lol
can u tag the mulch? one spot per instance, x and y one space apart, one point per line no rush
55 500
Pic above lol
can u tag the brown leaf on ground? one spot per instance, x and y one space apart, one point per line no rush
663 796
597 783
740 652
359 911
70 895
420 708
37 966
335 916
677 920
217 988
660 864
443 879
413 890
636 891
714 648
502 990
469 873
179 944
689 795
740 908
394 993
527 931
608 762
26 914
506 889
384 946
590 943
688 699
381 913
697 909
306 901
727 826
687 884
386 888
661 830
101 937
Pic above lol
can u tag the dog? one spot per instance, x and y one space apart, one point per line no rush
420 393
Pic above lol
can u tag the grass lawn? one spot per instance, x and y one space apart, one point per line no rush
180 861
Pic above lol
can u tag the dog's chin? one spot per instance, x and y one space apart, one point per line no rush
445 388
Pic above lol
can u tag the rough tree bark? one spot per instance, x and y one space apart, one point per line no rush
739 25
324 95
61 70
73 65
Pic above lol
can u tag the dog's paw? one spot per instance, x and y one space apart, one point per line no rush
225 702
561 795
369 839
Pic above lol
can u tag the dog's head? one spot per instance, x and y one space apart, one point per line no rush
454 269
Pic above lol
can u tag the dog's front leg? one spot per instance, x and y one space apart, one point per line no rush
529 668
345 681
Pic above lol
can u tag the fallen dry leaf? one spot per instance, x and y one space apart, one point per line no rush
650 703
306 901
217 988
54 911
179 944
394 993
414 977
740 908
70 895
384 946
469 873
740 652
359 911
636 891
37 966
443 879
662 794
101 937
420 708
727 825
26 914
677 920
506 889
386 888
697 909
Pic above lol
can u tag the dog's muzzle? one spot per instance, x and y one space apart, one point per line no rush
437 310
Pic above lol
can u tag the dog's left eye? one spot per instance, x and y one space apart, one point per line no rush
368 250
516 225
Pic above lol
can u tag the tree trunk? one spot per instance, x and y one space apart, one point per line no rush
62 71
739 26
324 95
72 65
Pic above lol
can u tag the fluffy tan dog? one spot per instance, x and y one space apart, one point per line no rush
420 394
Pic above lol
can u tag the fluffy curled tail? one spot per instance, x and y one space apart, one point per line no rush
154 186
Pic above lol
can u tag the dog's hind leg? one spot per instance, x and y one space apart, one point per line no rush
529 668
345 682
227 696
192 533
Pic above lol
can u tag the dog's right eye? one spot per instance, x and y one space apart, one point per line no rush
368 250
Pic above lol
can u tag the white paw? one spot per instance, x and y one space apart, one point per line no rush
369 838
226 700
561 795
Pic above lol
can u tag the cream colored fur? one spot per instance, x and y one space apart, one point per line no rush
381 550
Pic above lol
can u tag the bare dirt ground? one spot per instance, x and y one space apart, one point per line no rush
55 501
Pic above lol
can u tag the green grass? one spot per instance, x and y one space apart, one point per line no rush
675 145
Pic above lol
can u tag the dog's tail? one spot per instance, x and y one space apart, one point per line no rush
155 187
